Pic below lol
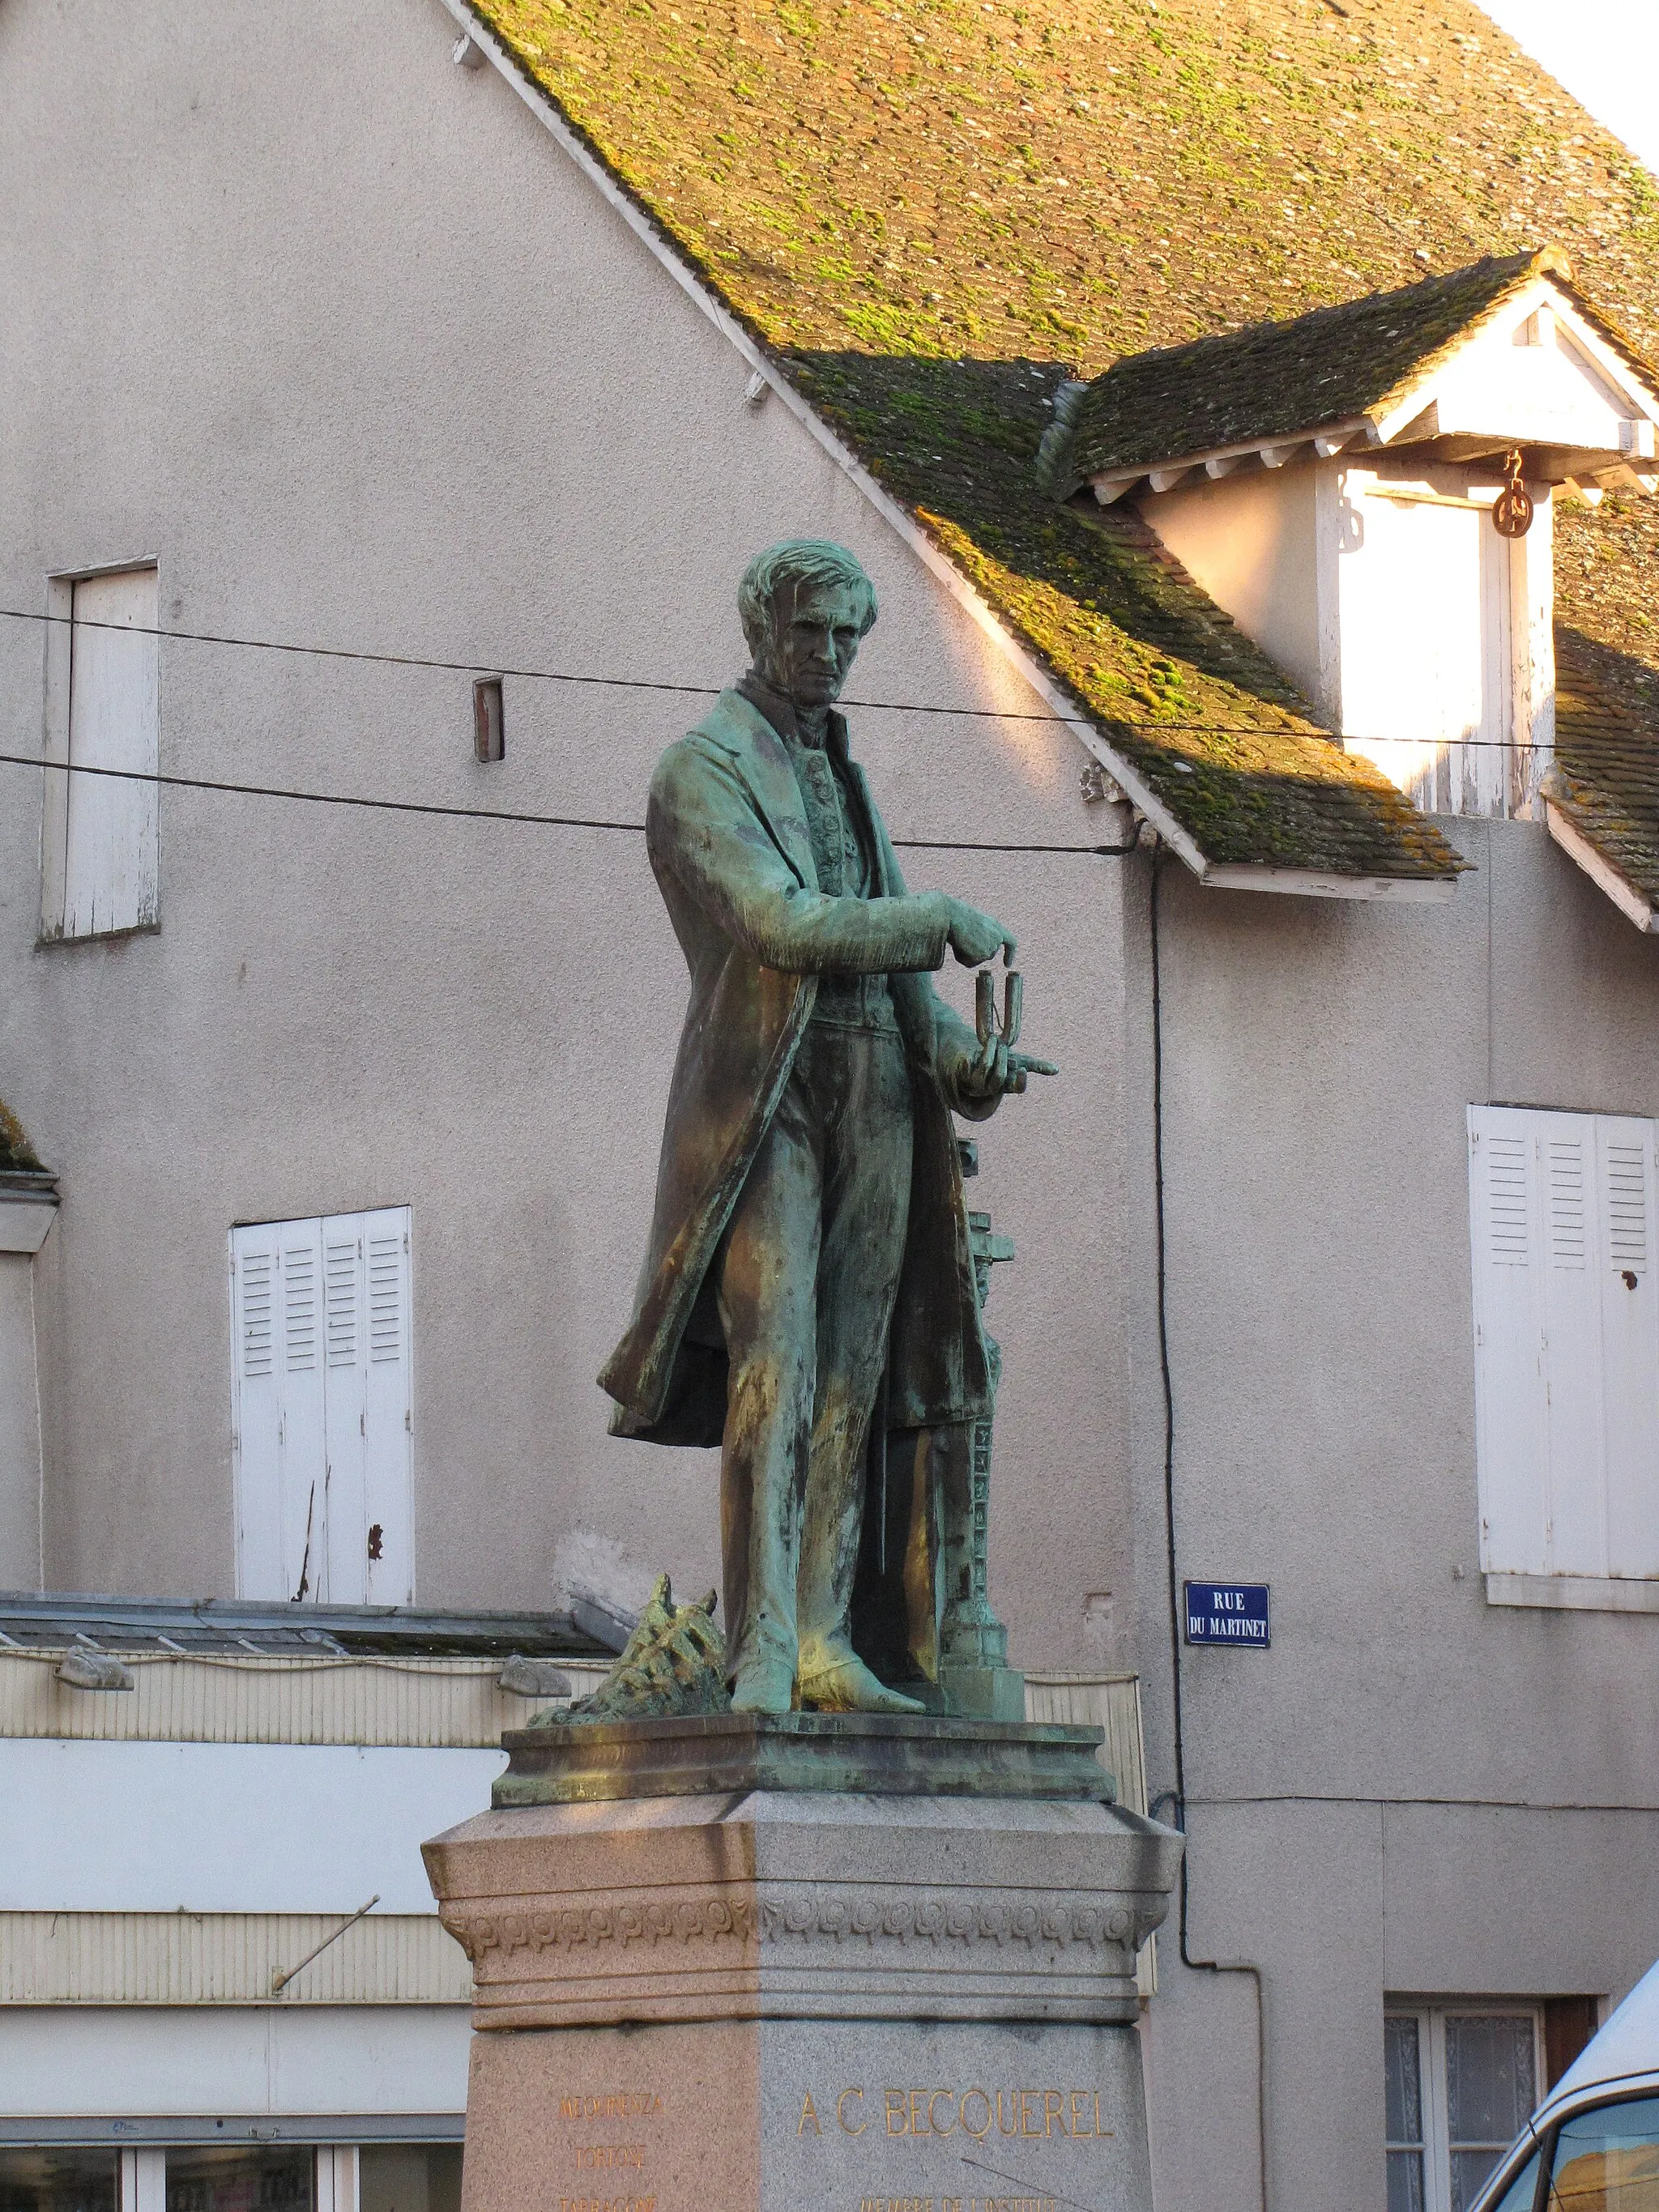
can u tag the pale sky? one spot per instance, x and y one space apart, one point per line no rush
1606 53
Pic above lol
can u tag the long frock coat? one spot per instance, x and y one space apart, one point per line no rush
726 830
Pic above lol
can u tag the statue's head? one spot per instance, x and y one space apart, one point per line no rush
805 605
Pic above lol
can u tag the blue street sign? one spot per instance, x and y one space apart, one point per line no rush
1227 1613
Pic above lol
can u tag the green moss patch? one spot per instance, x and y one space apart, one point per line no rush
16 1153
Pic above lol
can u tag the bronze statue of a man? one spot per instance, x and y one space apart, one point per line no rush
810 1241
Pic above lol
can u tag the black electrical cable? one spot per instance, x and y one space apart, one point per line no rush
487 813
1636 748
494 668
1179 1793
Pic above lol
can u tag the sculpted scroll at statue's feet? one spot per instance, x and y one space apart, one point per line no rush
763 1686
845 1684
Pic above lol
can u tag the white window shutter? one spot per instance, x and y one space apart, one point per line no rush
255 1410
322 1409
111 857
1507 1243
344 1581
1622 1266
1564 1209
276 1407
1565 1148
305 1471
388 1489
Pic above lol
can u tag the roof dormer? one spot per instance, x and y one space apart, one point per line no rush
1367 491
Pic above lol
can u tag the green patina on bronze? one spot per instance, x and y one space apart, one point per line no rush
674 1662
809 1287
694 1755
931 213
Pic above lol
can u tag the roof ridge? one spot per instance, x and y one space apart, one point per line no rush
1531 262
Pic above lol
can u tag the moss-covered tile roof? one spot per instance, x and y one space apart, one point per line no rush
1606 777
16 1153
1362 358
931 213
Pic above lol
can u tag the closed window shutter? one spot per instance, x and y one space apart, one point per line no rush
276 1407
1565 1228
323 1409
388 1490
111 855
344 1580
1623 1271
305 1470
1564 1149
1508 1244
256 1411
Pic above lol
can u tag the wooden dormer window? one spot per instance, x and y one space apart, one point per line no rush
1336 484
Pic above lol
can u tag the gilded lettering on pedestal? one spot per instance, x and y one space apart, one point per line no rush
1073 2114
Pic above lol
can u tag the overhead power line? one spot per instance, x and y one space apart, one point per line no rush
495 668
480 813
1636 747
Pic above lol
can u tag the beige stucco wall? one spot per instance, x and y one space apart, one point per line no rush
1249 540
1358 1794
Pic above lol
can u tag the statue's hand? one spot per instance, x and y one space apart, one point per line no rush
994 1070
976 938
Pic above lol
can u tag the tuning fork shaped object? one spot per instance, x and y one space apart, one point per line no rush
985 1005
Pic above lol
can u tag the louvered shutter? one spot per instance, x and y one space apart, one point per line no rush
1622 1264
370 1532
1563 1155
1563 1208
344 1580
388 1499
305 1470
256 1411
1512 1408
276 1407
322 1409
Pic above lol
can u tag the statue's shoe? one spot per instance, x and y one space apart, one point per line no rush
847 1686
764 1686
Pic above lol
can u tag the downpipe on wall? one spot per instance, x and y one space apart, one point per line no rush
1177 1797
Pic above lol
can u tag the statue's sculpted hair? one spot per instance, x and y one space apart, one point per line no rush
797 560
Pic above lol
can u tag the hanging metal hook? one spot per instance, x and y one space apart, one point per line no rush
1511 514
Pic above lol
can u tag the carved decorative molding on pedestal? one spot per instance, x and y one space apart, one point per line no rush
745 1950
1035 1917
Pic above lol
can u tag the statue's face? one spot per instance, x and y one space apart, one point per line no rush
814 640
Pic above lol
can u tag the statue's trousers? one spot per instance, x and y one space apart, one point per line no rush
805 1277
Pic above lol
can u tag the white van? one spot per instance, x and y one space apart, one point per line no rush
1593 2144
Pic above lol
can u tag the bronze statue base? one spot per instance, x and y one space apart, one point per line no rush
865 1754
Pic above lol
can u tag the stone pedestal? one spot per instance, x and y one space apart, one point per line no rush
796 1997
